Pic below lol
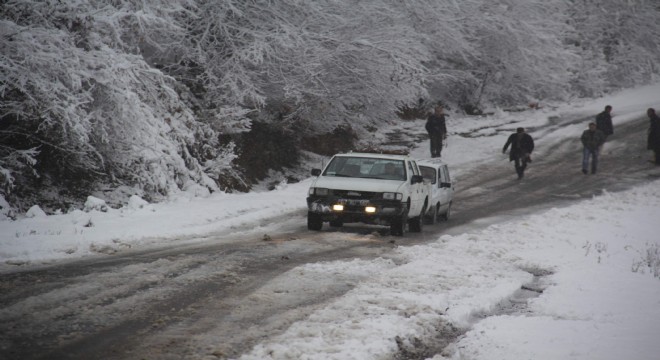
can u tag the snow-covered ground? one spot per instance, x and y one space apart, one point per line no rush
597 262
601 299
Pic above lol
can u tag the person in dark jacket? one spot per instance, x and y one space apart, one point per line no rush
437 129
653 141
522 146
592 139
604 121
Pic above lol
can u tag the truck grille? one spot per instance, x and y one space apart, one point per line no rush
352 194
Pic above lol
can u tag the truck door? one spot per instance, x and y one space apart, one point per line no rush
417 193
445 192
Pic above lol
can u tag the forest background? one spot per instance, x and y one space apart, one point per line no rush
150 98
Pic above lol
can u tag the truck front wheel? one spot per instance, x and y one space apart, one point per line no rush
432 216
314 221
447 213
398 226
417 222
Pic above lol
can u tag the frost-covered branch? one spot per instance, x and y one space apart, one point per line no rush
152 93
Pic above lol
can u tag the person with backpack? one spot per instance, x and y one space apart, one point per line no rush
522 146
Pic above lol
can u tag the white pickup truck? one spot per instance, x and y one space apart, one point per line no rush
370 188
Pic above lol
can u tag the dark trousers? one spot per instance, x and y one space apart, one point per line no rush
436 144
520 163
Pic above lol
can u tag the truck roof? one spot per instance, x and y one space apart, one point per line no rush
376 155
434 162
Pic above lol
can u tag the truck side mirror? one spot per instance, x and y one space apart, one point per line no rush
445 185
416 179
316 172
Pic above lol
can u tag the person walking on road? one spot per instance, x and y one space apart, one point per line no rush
604 121
437 128
592 139
522 146
653 141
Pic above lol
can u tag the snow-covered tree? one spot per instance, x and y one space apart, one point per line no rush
152 93
515 53
618 43
327 63
82 102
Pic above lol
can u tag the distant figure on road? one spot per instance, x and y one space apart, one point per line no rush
592 139
604 121
522 146
437 128
653 141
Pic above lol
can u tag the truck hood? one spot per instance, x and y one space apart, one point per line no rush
358 184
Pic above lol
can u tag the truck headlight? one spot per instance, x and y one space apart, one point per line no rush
318 191
338 207
392 196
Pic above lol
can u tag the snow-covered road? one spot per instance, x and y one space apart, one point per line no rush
356 292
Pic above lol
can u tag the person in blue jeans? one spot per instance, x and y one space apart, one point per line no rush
592 139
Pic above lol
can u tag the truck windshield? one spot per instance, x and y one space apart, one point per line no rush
364 167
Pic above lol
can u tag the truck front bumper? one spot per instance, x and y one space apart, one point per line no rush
356 210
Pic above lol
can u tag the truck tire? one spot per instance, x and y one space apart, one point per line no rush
398 226
415 224
314 221
432 216
447 213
